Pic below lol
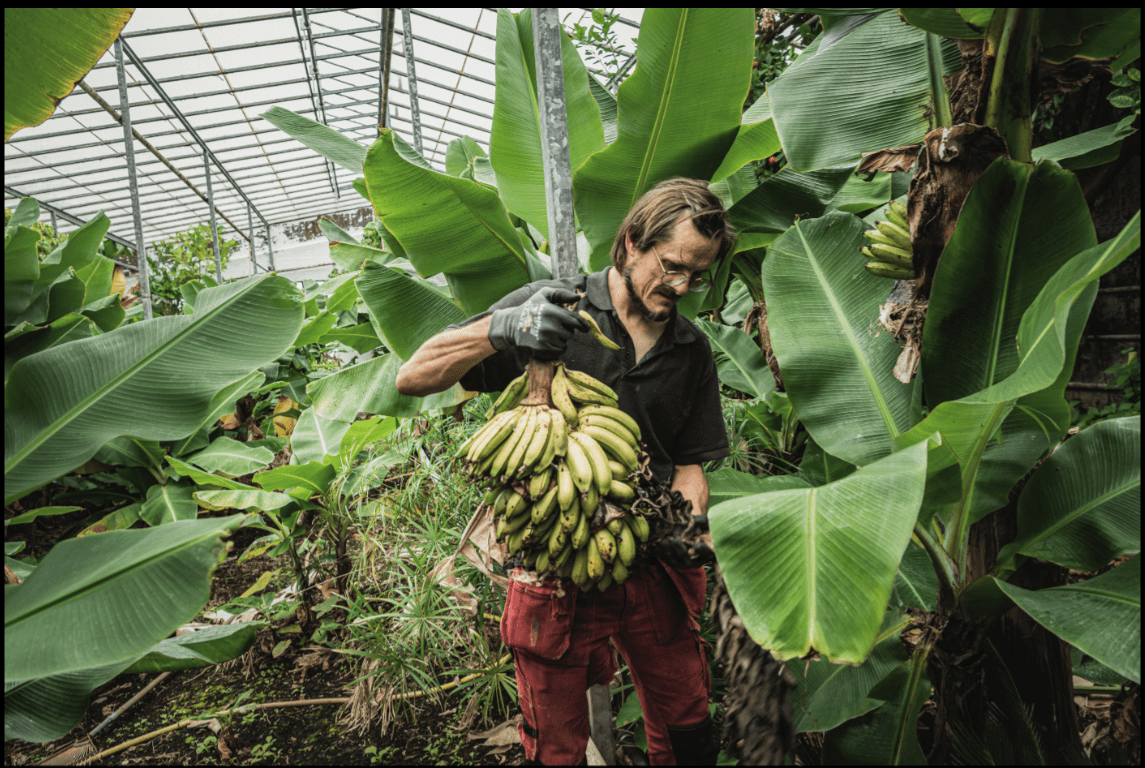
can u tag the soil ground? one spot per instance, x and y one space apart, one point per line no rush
303 735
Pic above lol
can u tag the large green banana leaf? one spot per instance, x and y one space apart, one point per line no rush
1101 616
152 380
48 50
774 205
741 365
446 224
825 115
1019 225
815 567
404 310
755 140
838 372
1082 508
679 113
515 139
103 600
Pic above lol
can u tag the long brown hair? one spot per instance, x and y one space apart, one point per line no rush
653 218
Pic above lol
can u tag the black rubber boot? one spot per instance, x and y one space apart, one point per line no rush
693 744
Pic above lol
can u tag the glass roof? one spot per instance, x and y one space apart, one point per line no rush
206 74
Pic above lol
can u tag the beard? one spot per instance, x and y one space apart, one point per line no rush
645 312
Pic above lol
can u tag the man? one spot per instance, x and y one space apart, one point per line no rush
665 378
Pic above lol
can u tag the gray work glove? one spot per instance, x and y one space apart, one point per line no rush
538 325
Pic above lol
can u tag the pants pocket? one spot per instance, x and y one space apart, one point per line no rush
665 609
538 619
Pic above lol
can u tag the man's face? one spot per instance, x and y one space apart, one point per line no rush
687 252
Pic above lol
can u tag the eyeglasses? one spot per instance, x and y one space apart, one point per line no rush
696 284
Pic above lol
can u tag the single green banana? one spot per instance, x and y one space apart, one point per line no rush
546 507
589 396
881 269
611 445
569 517
588 500
896 213
560 395
580 464
598 334
619 472
621 491
619 573
580 534
558 540
625 543
550 450
579 574
501 499
875 236
542 561
613 413
564 556
566 489
598 459
585 381
566 569
595 562
900 236
515 504
639 526
539 483
605 581
512 395
515 540
605 544
560 435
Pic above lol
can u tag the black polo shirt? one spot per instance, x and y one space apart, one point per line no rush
673 393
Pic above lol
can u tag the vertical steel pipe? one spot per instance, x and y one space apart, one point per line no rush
132 181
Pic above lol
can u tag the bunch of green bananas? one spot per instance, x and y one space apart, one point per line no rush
890 250
549 469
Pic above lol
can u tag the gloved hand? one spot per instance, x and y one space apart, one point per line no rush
538 325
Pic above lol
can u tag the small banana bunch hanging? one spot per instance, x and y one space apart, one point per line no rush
890 249
554 448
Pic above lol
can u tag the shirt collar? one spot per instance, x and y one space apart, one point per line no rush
596 290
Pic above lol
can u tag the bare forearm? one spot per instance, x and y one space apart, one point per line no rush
690 481
442 360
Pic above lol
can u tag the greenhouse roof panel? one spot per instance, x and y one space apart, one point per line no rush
208 74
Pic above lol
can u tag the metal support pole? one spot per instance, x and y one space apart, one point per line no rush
133 182
211 208
250 239
269 248
414 113
384 75
555 142
562 244
55 229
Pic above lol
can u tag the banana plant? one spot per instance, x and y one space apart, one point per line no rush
816 568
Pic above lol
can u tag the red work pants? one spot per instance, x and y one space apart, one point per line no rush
559 637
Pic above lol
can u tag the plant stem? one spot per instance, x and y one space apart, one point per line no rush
958 528
1012 41
938 94
938 557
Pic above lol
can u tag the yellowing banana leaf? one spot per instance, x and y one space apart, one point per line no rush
824 120
686 56
147 379
515 140
1082 508
838 372
71 39
815 567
